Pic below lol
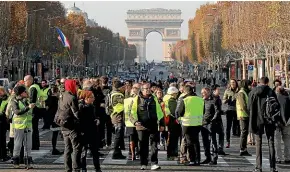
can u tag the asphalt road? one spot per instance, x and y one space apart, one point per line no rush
45 162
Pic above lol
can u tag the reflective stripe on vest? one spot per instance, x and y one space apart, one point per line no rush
2 107
37 103
119 107
193 111
22 121
127 107
241 113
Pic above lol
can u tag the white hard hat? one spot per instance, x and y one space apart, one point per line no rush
172 90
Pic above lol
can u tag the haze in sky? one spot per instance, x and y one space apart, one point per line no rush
113 14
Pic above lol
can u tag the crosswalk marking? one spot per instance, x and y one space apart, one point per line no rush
265 161
108 160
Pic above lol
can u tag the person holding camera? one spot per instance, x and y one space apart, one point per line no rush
22 125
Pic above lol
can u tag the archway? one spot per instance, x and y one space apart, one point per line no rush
154 49
142 22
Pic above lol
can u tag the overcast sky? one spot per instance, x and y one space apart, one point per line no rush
113 14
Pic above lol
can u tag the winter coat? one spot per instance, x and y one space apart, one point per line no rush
257 99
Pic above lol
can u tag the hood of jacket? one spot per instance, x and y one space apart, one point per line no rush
70 86
261 90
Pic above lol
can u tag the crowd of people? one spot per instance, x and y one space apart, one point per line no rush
151 114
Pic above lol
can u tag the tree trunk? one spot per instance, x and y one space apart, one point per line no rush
286 70
244 67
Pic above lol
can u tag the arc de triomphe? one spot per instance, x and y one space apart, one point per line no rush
140 23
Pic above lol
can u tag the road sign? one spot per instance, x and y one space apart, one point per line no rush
251 67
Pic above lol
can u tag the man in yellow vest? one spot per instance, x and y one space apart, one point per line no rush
115 107
243 115
147 115
34 97
191 110
22 125
44 93
130 128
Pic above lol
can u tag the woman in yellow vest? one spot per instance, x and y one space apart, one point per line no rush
243 115
174 129
3 124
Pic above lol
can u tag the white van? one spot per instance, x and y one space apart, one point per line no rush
4 82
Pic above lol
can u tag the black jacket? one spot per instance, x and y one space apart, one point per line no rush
88 118
284 102
68 109
209 110
147 114
257 99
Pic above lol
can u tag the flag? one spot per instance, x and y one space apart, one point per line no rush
62 38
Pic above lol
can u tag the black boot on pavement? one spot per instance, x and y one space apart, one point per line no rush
245 153
206 161
56 152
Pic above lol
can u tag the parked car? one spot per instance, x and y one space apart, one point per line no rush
4 82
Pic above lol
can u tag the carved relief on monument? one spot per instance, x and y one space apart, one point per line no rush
148 30
135 33
172 32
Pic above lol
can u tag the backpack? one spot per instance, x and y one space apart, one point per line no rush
272 110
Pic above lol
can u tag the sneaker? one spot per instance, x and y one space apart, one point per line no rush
155 167
245 153
143 167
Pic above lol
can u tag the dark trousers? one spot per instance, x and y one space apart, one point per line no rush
54 139
3 130
192 140
232 122
119 139
270 130
46 118
35 133
144 137
106 128
173 138
208 133
72 150
92 145
221 135
244 134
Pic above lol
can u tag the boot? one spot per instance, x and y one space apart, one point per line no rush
15 161
132 148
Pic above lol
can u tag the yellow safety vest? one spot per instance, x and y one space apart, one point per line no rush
193 111
240 112
134 109
2 106
22 121
119 107
166 100
43 96
37 103
127 107
180 96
